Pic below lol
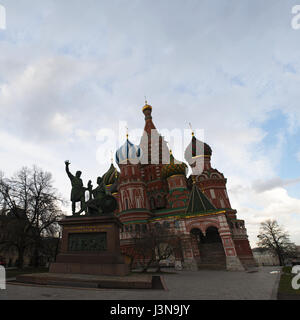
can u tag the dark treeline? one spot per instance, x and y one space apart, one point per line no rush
29 214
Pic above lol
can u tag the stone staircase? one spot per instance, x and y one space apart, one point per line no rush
212 256
248 262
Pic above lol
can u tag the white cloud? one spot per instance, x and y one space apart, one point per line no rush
22 152
272 204
83 134
62 123
276 182
67 71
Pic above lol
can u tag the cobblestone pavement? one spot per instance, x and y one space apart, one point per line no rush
185 285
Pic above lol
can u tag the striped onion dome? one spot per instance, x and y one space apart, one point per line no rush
173 168
196 149
128 152
111 176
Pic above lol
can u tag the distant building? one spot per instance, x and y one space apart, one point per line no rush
265 257
196 207
296 259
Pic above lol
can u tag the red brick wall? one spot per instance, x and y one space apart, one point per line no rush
243 248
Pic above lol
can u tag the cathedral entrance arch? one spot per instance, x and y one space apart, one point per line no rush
212 235
197 234
208 249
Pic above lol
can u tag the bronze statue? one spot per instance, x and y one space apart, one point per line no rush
102 202
78 190
99 201
96 196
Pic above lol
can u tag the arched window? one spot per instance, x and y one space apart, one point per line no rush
138 202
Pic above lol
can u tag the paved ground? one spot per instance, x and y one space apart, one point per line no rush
185 285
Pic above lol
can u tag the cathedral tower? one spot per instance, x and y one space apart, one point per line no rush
133 203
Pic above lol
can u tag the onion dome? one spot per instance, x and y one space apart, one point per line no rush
173 168
147 110
111 176
196 149
129 152
147 107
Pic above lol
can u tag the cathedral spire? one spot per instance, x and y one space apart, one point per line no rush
153 145
147 110
149 125
193 133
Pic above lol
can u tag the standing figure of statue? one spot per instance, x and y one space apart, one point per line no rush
78 190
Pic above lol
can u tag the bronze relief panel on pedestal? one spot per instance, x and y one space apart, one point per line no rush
88 242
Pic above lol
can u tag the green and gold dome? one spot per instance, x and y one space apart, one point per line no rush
173 168
111 176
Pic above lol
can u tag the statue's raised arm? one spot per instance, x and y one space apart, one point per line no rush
67 163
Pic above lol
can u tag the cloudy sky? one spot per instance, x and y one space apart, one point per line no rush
73 72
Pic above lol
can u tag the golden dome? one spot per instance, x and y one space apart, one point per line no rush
147 106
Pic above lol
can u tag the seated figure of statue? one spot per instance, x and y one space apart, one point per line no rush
96 197
100 201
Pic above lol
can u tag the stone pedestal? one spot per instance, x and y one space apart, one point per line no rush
90 245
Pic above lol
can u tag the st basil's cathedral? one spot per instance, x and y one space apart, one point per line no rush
153 191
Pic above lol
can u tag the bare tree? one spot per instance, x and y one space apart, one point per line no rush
273 238
31 200
153 245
